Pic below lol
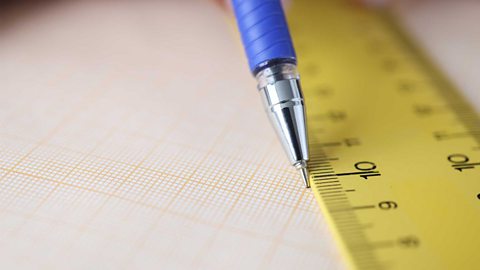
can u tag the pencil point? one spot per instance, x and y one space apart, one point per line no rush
306 180
301 166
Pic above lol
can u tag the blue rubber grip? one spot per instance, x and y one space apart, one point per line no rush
264 32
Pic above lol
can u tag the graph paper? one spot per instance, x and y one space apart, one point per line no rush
131 136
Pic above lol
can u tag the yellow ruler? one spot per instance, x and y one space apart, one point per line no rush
395 156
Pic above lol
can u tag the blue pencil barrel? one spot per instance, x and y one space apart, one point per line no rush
264 32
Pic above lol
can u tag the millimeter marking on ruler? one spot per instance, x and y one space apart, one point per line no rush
395 160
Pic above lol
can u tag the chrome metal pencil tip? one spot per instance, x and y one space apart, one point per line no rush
305 177
301 166
279 87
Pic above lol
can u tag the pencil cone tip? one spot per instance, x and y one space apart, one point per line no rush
306 180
